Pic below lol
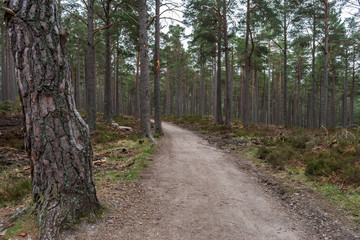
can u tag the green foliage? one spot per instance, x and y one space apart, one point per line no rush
10 107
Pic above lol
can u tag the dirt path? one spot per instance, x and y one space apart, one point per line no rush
193 191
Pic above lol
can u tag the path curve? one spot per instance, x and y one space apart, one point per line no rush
205 196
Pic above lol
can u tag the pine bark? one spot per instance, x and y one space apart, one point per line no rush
345 100
56 137
157 102
284 110
144 73
202 92
4 90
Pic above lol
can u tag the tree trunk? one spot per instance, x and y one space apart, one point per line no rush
144 72
227 69
218 115
352 93
56 137
137 87
333 94
202 94
4 85
345 100
107 78
117 84
284 110
269 89
90 73
324 108
157 102
312 104
247 67
78 76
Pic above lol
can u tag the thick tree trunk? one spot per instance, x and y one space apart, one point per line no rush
90 73
144 73
107 78
56 137
4 85
157 102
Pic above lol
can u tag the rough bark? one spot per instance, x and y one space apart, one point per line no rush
352 93
90 72
157 102
78 82
312 104
56 137
144 73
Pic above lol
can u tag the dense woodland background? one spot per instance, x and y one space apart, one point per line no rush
274 62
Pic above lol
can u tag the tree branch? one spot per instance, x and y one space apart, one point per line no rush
103 28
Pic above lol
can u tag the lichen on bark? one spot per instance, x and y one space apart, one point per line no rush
57 139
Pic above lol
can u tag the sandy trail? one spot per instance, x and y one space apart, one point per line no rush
206 197
193 191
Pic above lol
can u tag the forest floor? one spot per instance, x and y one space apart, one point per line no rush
197 187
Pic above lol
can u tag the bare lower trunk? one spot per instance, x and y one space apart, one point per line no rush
218 115
324 103
56 137
107 79
227 73
157 103
144 72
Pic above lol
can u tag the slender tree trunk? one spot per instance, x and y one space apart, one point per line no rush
137 87
56 137
144 74
78 76
90 73
352 93
167 92
312 104
3 64
157 102
117 98
324 108
284 110
227 69
107 79
247 67
202 92
10 73
218 114
333 94
345 100
269 89
256 95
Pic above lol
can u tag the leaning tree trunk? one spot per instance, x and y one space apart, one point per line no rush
56 137
144 73
157 102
